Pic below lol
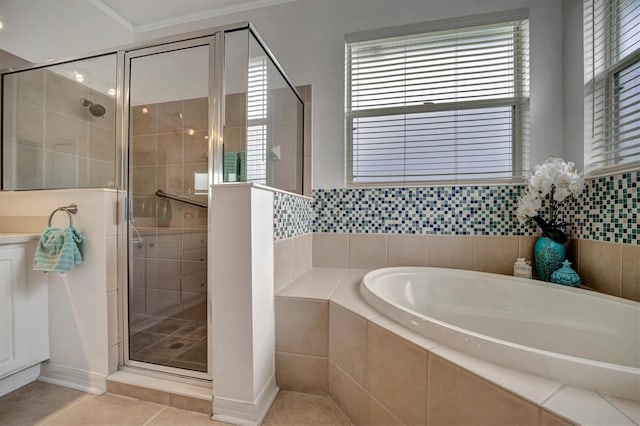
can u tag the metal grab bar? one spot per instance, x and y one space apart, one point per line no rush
161 193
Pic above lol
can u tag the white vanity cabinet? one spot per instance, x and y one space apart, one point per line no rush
24 313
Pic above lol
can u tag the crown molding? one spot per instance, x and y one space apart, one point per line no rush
113 15
212 13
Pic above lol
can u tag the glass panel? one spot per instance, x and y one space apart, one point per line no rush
168 239
59 126
235 114
263 132
274 125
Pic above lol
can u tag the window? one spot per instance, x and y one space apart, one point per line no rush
257 121
612 89
442 105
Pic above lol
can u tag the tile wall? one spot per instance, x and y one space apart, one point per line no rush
169 145
608 210
293 237
51 140
474 227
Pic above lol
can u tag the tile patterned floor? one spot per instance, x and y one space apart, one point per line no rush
50 405
179 341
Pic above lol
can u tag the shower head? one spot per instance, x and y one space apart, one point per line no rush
96 110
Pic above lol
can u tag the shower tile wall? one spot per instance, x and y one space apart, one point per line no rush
169 145
51 138
168 291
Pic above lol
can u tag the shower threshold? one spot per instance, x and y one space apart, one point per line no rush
194 395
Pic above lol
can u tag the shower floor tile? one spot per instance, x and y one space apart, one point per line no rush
196 353
167 326
193 330
164 351
175 341
143 340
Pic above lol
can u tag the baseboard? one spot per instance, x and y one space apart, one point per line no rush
73 378
243 412
19 379
266 396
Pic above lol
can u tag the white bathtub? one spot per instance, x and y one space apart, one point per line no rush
574 336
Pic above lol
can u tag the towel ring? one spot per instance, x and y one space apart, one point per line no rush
70 209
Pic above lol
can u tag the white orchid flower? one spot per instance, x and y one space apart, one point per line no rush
561 194
553 176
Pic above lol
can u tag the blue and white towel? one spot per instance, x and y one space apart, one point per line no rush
58 250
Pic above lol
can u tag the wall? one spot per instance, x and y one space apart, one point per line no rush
83 305
8 60
307 37
573 82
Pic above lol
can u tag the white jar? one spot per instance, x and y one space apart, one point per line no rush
522 268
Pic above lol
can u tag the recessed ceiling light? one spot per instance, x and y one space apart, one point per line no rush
1 25
145 110
191 132
206 136
79 77
111 92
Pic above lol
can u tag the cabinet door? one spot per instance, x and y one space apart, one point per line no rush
13 311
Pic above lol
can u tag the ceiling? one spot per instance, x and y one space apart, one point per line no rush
38 30
146 15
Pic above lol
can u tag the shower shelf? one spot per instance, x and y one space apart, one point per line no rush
161 193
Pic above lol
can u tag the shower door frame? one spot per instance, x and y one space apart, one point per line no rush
214 39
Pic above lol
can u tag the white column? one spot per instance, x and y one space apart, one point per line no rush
241 283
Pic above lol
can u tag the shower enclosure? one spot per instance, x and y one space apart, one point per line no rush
161 121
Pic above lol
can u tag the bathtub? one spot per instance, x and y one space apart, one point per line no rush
571 335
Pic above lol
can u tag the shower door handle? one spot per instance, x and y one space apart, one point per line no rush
128 209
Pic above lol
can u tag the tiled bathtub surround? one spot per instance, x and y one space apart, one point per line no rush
608 211
380 373
612 268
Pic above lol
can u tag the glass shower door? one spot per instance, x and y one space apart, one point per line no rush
168 186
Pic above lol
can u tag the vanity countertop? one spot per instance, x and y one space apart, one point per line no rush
17 237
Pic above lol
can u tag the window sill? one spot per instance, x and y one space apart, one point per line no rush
439 183
608 171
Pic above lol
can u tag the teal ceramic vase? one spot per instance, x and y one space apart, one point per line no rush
549 256
566 275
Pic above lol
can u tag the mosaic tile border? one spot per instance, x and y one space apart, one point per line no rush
608 210
611 209
455 210
292 215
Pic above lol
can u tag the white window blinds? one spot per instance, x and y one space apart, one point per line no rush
612 89
257 121
444 105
